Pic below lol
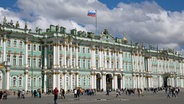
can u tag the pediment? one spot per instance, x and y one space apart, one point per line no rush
105 36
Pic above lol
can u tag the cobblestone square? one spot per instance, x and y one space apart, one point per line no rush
101 98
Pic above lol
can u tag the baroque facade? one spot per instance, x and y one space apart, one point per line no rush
45 60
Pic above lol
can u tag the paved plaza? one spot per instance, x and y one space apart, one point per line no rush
101 98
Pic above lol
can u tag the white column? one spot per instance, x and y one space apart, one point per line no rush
76 58
45 82
105 55
77 77
94 76
45 56
7 78
104 81
93 58
101 83
71 80
115 81
71 66
115 60
64 56
64 81
58 79
4 49
123 82
120 61
92 80
54 79
54 57
100 59
58 56
26 80
110 67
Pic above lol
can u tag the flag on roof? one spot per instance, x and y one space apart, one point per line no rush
92 13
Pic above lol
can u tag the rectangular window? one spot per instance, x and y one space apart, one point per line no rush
79 63
96 63
15 43
34 47
14 60
29 47
40 48
34 61
29 62
89 63
20 44
83 50
20 60
40 63
9 43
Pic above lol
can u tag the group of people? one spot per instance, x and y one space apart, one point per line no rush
3 95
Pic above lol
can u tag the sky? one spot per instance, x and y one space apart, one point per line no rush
156 22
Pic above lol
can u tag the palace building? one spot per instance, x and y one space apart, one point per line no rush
53 58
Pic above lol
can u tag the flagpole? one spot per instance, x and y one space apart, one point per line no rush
96 22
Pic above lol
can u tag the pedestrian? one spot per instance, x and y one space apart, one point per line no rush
63 93
1 95
55 95
18 94
39 91
23 94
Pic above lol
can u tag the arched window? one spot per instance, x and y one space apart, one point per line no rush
14 81
20 81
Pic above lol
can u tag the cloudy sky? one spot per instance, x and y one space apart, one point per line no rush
150 21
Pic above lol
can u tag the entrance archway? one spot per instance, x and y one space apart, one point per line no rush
98 77
109 81
165 79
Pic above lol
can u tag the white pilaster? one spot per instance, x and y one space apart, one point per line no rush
64 81
77 77
76 56
104 81
26 53
71 80
120 61
94 80
7 78
54 79
115 81
26 80
4 48
93 58
71 66
45 82
45 56
64 56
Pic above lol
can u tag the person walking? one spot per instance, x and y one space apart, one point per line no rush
63 93
55 95
23 94
1 95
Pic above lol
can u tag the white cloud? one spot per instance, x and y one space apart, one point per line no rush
145 21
